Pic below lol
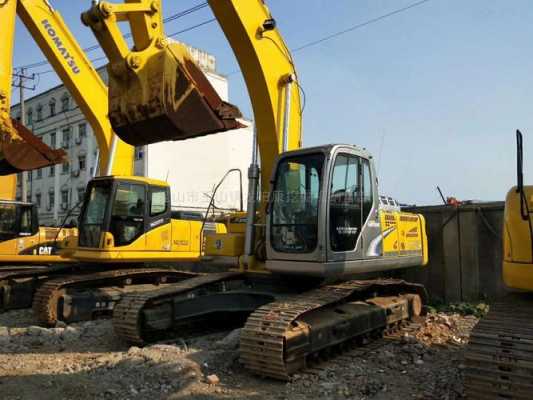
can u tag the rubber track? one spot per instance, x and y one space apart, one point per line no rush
127 314
263 337
499 356
46 297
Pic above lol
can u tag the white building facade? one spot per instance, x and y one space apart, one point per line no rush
192 167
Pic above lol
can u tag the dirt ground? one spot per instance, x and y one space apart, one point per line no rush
86 361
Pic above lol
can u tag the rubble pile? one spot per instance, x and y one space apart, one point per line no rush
86 361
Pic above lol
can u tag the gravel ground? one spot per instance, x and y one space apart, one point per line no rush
86 361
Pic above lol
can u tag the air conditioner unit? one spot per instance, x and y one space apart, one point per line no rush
79 140
75 173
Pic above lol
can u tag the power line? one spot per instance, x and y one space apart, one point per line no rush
209 21
172 17
358 26
350 29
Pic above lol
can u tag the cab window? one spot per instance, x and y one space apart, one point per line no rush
159 201
127 216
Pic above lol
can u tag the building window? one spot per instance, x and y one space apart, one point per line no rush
19 179
39 112
38 199
82 130
30 176
52 170
29 117
51 200
28 197
39 173
19 116
64 199
53 141
65 168
52 105
81 193
66 138
82 162
65 103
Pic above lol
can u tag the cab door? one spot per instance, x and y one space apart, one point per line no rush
345 208
127 219
158 226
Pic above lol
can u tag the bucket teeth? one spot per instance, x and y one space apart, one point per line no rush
21 150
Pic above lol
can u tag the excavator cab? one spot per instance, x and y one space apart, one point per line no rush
324 219
130 219
117 211
17 219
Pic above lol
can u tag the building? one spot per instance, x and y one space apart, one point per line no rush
192 168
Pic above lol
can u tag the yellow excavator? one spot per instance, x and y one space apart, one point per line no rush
22 241
313 221
114 259
499 356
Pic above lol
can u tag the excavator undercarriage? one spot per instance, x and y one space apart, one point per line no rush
285 325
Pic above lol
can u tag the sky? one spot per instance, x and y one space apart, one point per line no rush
435 93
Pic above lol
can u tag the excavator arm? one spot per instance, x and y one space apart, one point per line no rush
156 90
20 150
70 62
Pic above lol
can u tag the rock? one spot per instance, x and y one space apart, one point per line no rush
4 331
212 379
419 362
60 324
231 341
38 331
134 350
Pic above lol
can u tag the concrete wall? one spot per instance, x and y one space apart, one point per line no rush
465 252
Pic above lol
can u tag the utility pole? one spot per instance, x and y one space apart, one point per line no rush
21 80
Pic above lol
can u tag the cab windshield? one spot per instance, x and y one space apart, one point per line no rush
15 221
93 214
295 204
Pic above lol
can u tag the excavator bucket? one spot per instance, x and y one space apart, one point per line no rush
166 98
21 150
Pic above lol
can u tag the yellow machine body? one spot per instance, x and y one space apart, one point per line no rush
518 240
129 219
47 246
403 234
23 241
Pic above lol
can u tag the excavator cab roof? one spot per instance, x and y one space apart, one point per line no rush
137 179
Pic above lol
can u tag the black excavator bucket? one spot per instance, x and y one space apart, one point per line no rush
167 98
21 150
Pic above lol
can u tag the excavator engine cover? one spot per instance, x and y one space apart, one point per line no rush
166 98
20 150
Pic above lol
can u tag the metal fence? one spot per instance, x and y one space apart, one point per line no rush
465 252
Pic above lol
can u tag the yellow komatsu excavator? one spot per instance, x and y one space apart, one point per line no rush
299 247
134 240
500 352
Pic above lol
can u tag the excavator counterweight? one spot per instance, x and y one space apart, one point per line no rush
20 150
